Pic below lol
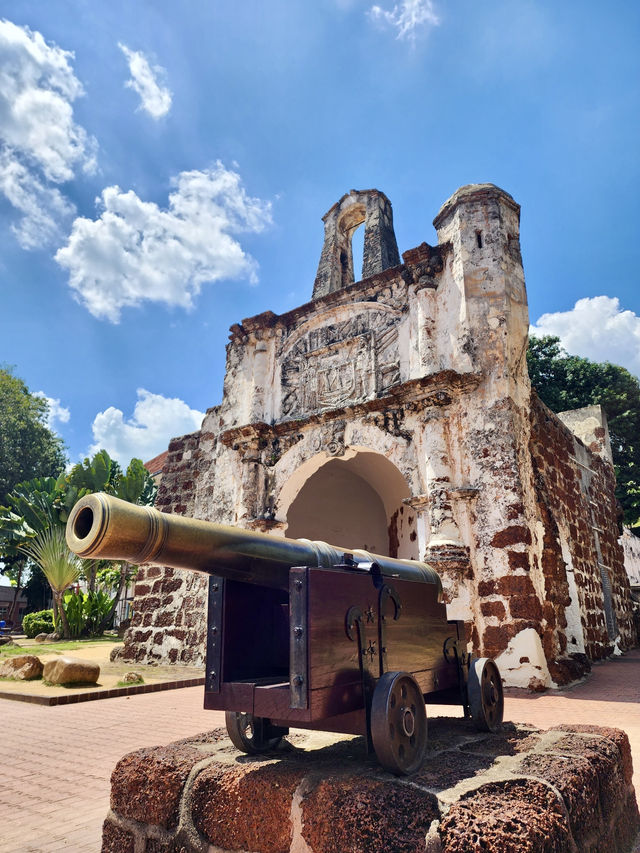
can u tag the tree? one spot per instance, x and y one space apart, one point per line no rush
570 382
28 448
103 474
32 509
61 568
39 505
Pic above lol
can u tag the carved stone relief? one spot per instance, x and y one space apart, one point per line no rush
341 363
330 438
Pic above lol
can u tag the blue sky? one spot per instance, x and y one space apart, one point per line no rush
164 167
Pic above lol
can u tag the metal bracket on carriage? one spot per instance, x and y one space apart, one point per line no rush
386 592
355 619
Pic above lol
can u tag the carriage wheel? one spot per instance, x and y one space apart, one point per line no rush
484 690
248 733
399 723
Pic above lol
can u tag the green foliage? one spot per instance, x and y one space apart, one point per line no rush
570 382
36 589
131 487
31 510
109 577
49 550
103 474
85 611
92 475
40 622
28 448
72 603
37 506
97 605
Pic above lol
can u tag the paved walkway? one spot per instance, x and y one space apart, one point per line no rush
56 762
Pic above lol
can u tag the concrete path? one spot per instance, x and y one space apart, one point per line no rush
56 762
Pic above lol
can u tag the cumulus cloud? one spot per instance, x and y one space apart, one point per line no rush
156 420
137 251
155 98
408 17
58 414
43 206
598 329
40 143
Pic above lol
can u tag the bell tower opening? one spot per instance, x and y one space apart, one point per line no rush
356 503
376 244
357 251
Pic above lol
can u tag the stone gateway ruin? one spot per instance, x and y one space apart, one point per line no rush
395 414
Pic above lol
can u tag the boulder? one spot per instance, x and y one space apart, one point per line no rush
116 653
132 678
42 638
24 667
66 670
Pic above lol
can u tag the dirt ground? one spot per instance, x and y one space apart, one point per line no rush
98 652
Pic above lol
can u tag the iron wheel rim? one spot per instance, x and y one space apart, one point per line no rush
399 723
486 698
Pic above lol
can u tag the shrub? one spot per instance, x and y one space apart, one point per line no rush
40 622
85 611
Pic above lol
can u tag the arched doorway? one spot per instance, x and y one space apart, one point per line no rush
354 502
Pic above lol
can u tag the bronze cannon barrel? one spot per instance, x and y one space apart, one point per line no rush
103 527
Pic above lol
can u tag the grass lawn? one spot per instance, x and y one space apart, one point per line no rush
24 646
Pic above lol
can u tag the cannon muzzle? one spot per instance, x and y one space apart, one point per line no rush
102 527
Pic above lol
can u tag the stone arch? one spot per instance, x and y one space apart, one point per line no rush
349 220
371 207
354 501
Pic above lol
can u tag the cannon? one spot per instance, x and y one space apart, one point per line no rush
308 635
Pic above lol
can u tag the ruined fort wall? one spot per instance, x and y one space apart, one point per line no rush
168 623
415 380
582 558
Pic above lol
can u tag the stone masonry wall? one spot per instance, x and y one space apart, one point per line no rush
575 492
566 790
170 606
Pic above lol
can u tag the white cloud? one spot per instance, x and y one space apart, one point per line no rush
156 420
57 412
43 207
598 329
407 17
155 99
40 144
138 252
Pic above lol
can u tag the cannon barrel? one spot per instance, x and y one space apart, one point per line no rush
103 527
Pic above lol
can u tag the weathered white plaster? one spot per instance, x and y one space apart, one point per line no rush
574 632
523 663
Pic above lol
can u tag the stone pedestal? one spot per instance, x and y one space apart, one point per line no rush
567 789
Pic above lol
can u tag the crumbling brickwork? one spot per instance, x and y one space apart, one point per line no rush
395 415
575 491
168 620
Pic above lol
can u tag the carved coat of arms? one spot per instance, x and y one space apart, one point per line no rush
341 363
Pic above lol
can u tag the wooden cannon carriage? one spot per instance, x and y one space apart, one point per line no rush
307 635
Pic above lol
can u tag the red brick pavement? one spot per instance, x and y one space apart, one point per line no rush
56 762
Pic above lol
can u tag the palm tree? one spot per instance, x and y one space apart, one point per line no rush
61 568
